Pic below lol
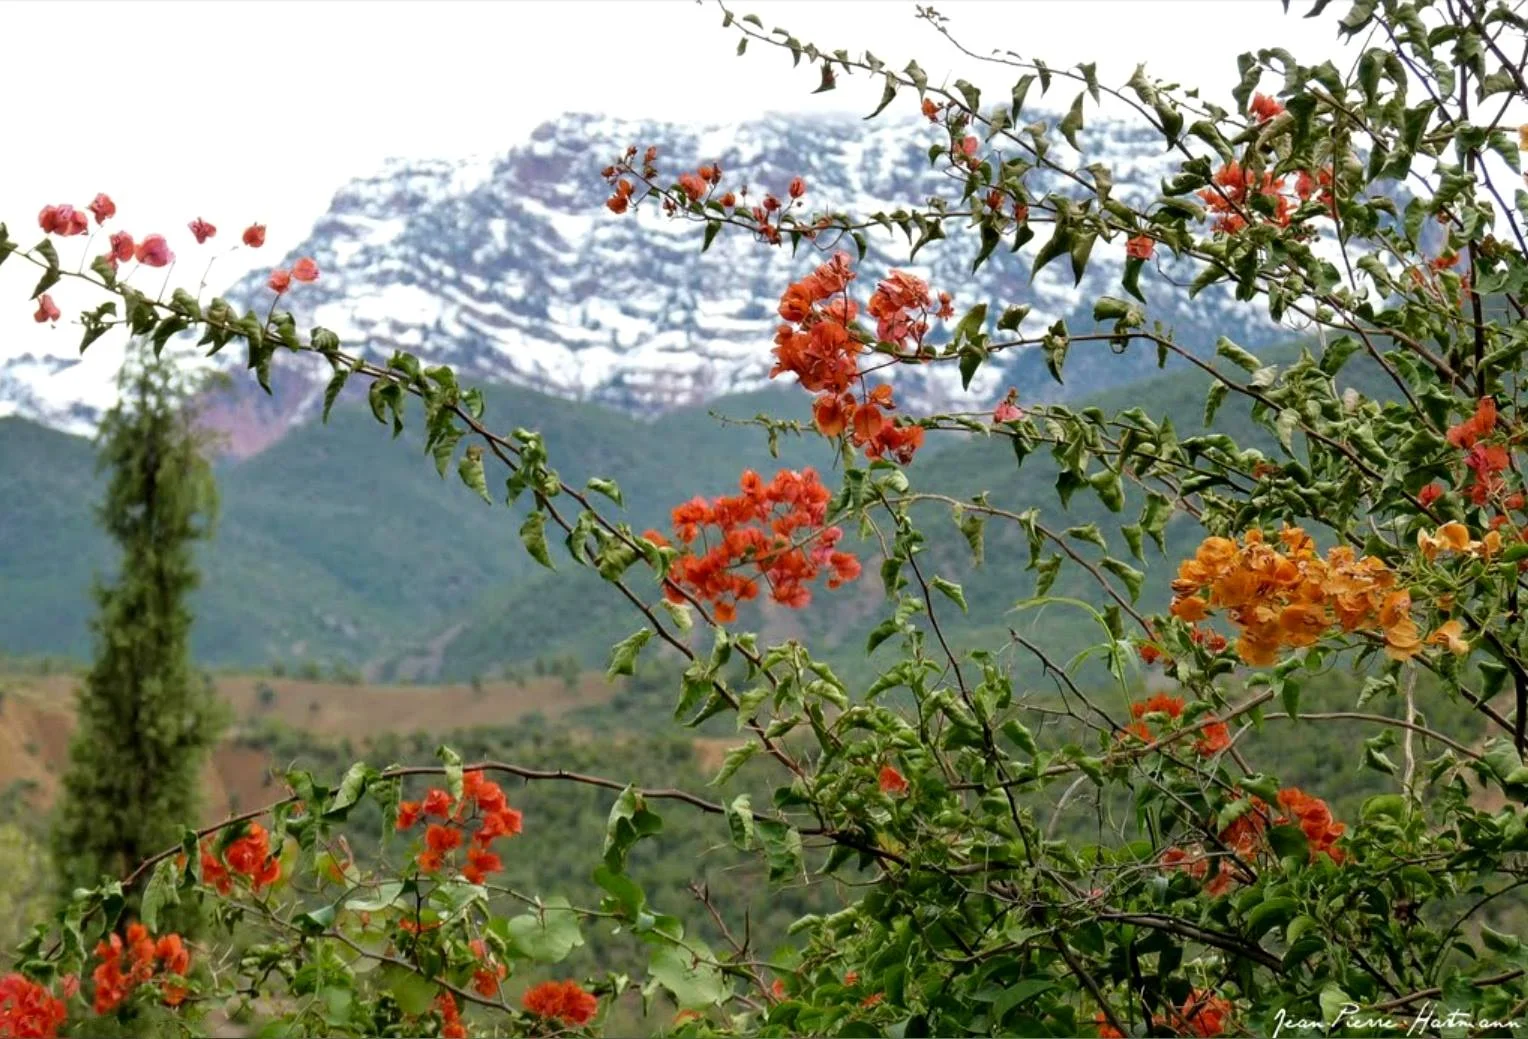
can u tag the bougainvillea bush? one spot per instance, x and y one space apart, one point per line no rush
1375 211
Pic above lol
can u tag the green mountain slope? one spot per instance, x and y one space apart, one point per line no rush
339 544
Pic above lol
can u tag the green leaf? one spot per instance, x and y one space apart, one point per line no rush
414 992
549 935
50 277
693 980
1072 122
1333 999
782 849
608 488
1236 355
1213 400
351 788
888 94
740 821
470 469
453 763
160 892
1132 578
630 821
735 759
533 537
1268 914
951 591
623 657
332 391
387 896
1019 735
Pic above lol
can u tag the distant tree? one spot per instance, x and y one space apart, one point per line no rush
146 718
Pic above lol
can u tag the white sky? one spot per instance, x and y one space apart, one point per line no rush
241 111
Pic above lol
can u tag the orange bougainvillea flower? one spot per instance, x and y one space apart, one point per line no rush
1139 247
64 221
891 781
1105 1029
28 1010
560 1000
103 208
1478 426
451 1026
408 814
279 281
153 251
47 310
441 839
1450 634
1265 108
1203 1014
1292 598
254 235
438 803
201 230
305 269
1161 703
1213 738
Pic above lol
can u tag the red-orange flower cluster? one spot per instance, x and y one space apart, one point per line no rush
775 530
248 856
451 1026
820 346
1315 819
565 1001
1231 197
1246 837
486 978
64 221
1203 1014
28 1010
143 958
1139 247
1213 738
1265 107
892 782
482 802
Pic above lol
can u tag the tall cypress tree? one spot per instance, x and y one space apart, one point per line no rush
146 718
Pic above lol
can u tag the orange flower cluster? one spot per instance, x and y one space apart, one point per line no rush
565 1001
1293 598
1203 1014
1486 462
820 346
1213 738
891 781
1265 107
1246 837
113 985
451 1026
482 801
758 529
486 978
1139 247
1315 819
249 856
28 1010
1230 200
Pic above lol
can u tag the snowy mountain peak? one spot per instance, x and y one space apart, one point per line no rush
511 269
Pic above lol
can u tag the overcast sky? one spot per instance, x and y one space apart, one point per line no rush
261 110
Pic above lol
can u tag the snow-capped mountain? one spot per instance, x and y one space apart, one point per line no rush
512 269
